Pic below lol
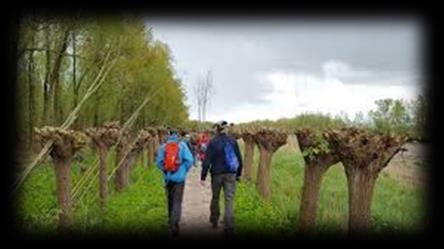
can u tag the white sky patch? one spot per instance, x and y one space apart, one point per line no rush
295 93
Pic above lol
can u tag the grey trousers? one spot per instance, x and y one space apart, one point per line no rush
228 183
174 197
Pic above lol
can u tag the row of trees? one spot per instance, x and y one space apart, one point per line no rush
60 58
363 154
390 116
66 143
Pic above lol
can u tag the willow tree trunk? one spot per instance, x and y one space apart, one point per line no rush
123 173
150 153
124 170
103 176
310 195
142 156
263 174
120 172
361 182
63 185
248 160
121 178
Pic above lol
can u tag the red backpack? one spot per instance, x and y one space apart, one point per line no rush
171 162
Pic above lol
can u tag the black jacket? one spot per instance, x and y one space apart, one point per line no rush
215 156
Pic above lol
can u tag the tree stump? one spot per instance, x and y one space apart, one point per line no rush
65 144
103 138
318 160
268 141
364 155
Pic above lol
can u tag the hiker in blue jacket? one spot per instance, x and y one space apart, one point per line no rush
174 180
224 161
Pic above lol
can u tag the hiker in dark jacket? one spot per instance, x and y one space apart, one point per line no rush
222 176
186 138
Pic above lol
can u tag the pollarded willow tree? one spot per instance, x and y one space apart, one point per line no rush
318 158
364 155
235 132
151 146
268 141
65 143
248 138
104 138
127 151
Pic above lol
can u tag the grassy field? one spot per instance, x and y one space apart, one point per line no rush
141 208
396 206
138 209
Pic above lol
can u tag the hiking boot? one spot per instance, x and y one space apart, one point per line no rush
229 232
175 231
214 224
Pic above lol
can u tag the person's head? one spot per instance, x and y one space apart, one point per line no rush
183 133
221 127
173 132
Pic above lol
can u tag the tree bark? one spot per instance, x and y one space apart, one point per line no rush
124 170
263 175
63 185
47 84
121 176
361 182
120 168
142 156
150 153
310 195
248 159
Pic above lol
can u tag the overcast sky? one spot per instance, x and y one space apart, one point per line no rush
281 68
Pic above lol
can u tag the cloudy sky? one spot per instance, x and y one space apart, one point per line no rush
280 68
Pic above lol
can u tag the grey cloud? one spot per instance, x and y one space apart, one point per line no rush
238 50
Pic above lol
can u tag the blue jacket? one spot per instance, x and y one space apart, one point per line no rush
185 157
215 156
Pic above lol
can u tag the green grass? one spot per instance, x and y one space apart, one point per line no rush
141 207
396 206
138 209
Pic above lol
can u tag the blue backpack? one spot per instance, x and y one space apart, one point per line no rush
231 160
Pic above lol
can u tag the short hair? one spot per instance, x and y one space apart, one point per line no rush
173 131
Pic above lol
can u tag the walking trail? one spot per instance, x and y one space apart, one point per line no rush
196 208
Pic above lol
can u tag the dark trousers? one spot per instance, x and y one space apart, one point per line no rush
174 197
228 183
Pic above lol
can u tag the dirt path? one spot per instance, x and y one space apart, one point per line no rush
196 208
410 166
